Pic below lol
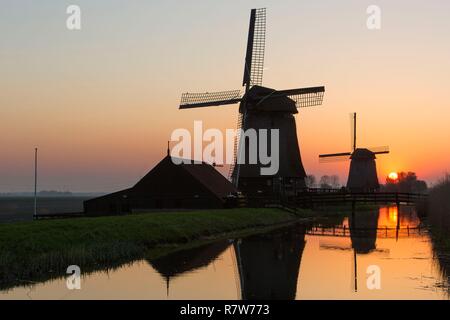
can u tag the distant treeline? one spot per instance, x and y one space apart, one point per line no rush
325 182
406 182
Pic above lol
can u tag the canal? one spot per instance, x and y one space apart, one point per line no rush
339 258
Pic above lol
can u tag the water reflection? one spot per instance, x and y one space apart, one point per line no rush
269 264
177 263
392 217
363 231
367 226
324 261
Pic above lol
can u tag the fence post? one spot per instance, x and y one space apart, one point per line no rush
353 213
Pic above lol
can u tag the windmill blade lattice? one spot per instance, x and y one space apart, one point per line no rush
254 59
303 97
380 150
207 99
309 99
336 157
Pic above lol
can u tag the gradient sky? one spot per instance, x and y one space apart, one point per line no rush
101 103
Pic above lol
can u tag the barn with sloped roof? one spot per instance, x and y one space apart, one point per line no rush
168 185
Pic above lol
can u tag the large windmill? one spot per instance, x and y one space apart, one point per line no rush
262 108
362 176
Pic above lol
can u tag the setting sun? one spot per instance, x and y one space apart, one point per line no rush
393 176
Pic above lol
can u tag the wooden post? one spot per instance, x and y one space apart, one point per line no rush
353 213
35 184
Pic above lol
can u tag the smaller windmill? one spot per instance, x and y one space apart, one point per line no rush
362 176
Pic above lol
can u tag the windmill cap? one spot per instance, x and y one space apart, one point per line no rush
362 153
259 99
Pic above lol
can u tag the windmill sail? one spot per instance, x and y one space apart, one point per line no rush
257 104
208 99
253 74
353 131
303 97
380 150
254 58
359 152
236 147
333 157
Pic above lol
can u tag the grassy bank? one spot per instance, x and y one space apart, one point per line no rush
439 204
32 250
441 239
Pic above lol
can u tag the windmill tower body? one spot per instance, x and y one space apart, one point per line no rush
363 172
362 175
262 108
277 113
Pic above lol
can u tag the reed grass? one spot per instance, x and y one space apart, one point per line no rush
439 212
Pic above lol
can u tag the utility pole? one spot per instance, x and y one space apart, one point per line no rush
35 183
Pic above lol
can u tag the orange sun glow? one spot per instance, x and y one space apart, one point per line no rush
393 176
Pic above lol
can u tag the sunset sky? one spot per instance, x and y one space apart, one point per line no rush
101 103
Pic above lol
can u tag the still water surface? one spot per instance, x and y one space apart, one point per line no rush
326 261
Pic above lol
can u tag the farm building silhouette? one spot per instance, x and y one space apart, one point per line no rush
169 186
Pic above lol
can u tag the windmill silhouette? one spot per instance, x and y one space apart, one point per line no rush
261 108
362 176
